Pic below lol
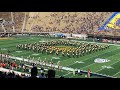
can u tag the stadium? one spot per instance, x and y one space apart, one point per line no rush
59 44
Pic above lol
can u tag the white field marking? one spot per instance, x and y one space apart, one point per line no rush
3 49
101 60
18 51
116 73
58 75
89 58
79 62
35 54
88 65
95 63
71 76
43 41
55 58
32 66
109 65
67 74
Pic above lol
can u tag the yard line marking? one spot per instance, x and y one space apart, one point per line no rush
95 63
58 75
88 65
71 76
109 65
67 74
90 58
116 73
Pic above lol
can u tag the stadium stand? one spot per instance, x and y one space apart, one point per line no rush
64 22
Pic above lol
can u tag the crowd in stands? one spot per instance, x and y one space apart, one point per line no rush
77 22
7 26
9 65
64 22
9 75
12 65
12 19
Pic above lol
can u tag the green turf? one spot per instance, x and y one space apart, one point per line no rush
113 54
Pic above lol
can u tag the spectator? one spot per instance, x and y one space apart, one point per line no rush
34 72
42 75
64 22
51 73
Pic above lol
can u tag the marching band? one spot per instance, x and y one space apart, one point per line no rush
69 49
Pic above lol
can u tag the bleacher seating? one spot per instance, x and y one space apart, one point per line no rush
64 22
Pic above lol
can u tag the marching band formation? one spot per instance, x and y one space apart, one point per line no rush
64 48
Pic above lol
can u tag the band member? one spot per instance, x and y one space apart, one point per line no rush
42 50
60 67
63 54
57 52
51 64
47 51
45 62
68 54
40 62
77 54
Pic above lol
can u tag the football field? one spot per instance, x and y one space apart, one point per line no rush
106 62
